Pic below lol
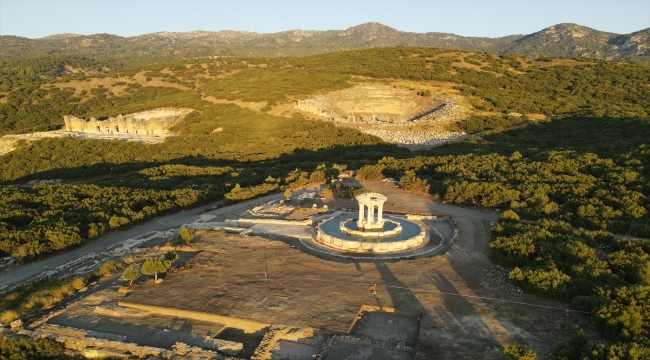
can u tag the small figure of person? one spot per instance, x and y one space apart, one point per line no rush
373 289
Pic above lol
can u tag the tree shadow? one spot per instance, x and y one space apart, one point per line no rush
250 340
456 316
459 315
400 294
607 137
99 170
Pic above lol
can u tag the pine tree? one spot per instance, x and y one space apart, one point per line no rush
131 274
170 257
186 235
153 266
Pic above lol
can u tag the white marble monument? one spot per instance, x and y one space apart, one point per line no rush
374 202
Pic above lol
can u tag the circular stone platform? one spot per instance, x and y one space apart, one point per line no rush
410 236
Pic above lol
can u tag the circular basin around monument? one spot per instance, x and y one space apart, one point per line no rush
330 234
388 229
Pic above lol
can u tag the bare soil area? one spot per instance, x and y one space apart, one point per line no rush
388 327
250 105
450 312
227 278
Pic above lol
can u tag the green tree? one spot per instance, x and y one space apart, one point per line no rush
509 217
410 182
131 274
185 235
520 352
19 349
153 266
631 263
287 194
317 177
577 347
108 267
170 257
370 172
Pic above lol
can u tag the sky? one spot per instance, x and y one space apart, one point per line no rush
488 18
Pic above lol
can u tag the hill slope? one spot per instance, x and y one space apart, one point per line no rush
559 40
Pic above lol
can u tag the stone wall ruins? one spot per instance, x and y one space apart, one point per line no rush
120 125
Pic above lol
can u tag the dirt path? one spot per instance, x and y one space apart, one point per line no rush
28 271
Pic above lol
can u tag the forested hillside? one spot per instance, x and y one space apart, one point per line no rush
577 176
493 84
566 40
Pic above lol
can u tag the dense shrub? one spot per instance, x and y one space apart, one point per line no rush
22 349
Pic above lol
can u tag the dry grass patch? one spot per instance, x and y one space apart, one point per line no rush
556 62
111 83
8 316
37 295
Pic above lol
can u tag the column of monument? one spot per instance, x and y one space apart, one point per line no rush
360 221
380 210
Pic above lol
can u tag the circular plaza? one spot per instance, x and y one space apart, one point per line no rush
371 231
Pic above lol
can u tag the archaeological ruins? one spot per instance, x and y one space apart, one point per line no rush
145 123
148 127
370 233
379 104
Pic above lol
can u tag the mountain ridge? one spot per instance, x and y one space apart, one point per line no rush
564 39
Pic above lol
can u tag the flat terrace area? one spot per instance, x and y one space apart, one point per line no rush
300 290
250 284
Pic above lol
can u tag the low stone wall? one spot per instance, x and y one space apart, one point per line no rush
366 341
370 247
94 346
252 222
205 226
362 246
319 218
420 217
99 344
246 325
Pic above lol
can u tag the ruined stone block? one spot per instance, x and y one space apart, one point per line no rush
88 341
16 324
63 339
103 353
101 342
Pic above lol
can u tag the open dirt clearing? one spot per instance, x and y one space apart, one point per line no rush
241 280
227 278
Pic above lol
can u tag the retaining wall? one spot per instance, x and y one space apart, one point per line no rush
246 325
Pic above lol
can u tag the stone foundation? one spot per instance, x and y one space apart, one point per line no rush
370 246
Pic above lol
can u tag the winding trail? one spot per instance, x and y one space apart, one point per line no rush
28 271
